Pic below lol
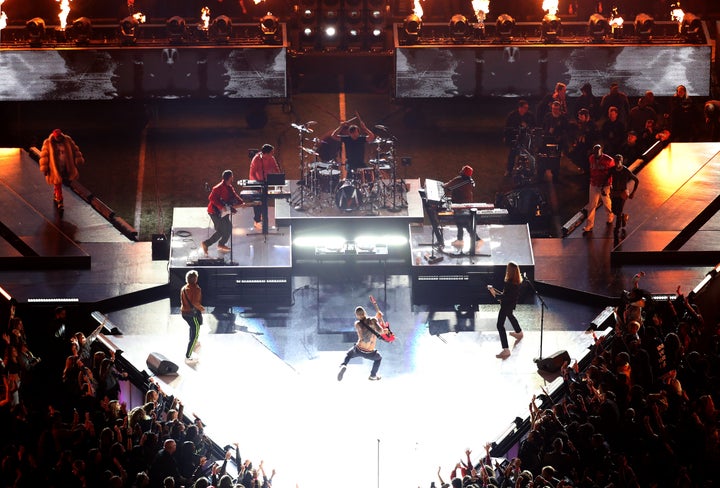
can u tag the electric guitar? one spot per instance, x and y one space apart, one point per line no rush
388 336
227 209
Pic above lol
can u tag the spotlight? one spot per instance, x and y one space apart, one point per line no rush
269 25
36 31
551 27
504 26
220 29
128 27
598 27
81 30
644 27
459 27
691 28
176 29
412 26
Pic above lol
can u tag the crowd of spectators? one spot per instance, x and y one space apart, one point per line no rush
64 423
571 126
642 413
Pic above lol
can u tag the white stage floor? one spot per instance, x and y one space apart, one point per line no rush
274 390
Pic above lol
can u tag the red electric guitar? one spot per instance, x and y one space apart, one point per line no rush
388 336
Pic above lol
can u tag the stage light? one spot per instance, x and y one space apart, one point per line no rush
176 29
691 28
412 25
220 29
551 27
644 27
598 27
269 25
504 26
81 31
128 27
36 31
459 27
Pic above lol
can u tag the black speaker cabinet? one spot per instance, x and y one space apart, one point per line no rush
160 365
160 247
552 364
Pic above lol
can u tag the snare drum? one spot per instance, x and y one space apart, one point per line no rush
348 197
328 179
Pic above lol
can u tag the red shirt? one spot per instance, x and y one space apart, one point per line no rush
600 170
221 195
262 165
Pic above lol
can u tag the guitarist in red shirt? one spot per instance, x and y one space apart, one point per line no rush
222 201
368 330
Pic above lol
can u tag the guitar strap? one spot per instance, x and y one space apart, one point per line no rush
362 322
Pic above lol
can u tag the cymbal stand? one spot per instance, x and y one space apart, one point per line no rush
302 129
395 207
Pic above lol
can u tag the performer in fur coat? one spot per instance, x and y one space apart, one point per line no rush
59 161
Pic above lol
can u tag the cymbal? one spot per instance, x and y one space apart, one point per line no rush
307 150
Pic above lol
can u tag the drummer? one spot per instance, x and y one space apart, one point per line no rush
354 137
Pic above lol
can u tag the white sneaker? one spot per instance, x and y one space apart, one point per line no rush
504 354
193 359
516 335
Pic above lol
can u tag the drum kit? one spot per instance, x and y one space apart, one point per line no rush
325 183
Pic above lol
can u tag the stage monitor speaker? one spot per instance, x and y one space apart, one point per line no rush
160 247
552 364
160 365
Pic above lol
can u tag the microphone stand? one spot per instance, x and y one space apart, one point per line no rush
392 140
543 306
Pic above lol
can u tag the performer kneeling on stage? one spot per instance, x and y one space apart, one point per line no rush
223 199
368 329
461 191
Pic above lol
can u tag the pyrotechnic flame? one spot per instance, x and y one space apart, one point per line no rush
550 6
417 9
677 14
139 16
616 22
258 2
481 8
3 17
64 11
205 16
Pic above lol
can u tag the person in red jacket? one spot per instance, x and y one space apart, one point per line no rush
222 202
600 180
59 161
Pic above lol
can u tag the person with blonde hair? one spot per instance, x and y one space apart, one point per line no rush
508 301
191 309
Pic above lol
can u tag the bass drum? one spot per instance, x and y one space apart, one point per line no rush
348 197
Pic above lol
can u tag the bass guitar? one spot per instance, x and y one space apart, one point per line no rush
387 336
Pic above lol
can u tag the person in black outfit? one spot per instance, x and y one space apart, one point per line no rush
632 150
620 192
518 125
508 301
585 137
712 119
354 138
461 191
556 129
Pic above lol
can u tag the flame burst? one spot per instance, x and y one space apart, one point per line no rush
550 6
205 16
139 16
677 14
481 8
64 11
417 9
3 17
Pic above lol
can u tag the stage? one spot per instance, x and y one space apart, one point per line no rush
283 402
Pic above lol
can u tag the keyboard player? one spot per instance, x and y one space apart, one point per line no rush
460 190
261 165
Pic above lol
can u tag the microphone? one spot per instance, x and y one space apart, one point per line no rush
381 127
